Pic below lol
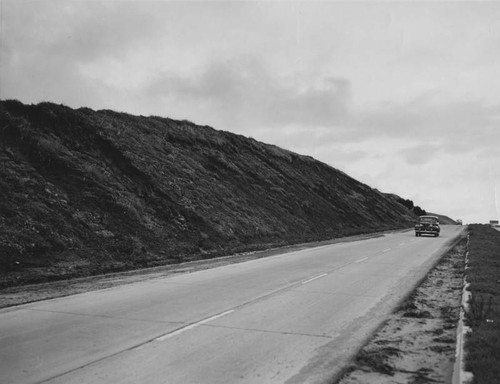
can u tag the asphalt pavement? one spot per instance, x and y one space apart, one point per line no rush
292 318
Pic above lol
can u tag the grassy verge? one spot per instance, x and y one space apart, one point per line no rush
483 316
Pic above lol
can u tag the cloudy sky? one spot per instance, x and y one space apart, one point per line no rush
402 96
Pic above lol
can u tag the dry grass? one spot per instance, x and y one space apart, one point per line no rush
483 343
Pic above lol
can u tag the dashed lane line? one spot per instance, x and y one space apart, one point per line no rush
314 278
191 326
361 260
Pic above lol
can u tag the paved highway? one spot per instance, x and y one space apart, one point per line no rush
291 318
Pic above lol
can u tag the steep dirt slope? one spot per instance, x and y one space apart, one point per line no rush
87 192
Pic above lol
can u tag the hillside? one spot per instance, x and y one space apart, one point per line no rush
87 192
444 220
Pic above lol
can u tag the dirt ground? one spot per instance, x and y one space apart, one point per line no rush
417 344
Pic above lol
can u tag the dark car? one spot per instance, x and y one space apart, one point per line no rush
427 225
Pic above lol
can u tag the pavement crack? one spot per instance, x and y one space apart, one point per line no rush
334 293
107 316
268 331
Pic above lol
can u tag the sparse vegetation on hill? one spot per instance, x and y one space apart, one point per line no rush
410 205
87 192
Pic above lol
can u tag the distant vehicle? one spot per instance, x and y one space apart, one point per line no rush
427 225
459 221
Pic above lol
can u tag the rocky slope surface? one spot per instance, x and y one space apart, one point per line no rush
86 192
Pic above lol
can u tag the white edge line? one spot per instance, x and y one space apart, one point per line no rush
191 326
361 260
314 278
386 250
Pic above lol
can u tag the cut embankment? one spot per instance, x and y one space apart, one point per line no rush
87 193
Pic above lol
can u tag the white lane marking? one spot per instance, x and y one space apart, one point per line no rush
191 326
386 250
361 260
314 278
400 245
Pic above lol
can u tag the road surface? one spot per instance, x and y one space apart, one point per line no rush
292 318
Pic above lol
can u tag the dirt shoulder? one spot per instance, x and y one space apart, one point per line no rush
35 292
417 343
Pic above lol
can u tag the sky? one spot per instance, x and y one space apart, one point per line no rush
402 96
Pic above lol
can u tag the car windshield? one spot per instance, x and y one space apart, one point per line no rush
428 220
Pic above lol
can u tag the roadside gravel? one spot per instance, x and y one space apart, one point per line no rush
417 343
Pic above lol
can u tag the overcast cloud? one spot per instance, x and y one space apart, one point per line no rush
403 96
